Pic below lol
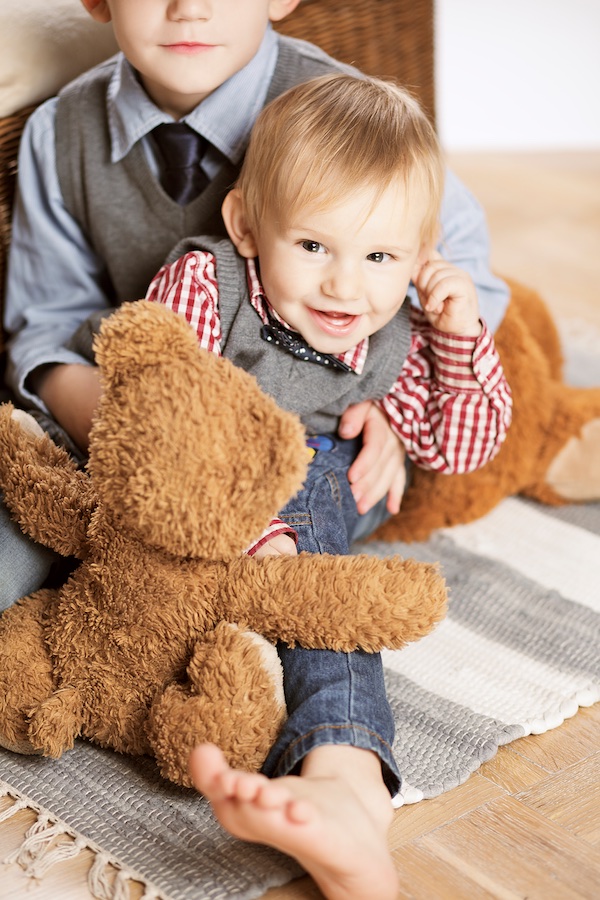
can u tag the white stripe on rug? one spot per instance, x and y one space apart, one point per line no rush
492 679
552 553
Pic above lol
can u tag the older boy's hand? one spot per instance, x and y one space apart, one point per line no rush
379 467
448 297
71 392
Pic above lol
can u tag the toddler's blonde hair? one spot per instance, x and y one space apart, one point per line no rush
317 142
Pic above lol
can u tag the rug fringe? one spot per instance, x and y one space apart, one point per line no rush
104 885
49 841
45 844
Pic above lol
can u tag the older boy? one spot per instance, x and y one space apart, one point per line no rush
335 211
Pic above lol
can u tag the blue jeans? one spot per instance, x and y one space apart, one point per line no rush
24 565
332 697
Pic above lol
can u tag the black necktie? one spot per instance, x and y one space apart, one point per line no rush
295 344
180 151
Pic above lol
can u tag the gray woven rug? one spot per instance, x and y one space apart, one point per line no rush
517 654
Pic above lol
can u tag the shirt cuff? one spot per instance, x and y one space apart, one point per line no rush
463 363
277 526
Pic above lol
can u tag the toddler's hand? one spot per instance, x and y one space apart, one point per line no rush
448 297
280 545
378 469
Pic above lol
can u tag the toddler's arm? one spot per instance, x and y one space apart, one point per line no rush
451 404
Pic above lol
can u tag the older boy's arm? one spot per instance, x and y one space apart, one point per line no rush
55 281
71 393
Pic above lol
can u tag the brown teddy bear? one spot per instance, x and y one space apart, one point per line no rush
552 450
163 636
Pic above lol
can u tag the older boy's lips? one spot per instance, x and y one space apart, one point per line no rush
189 47
335 323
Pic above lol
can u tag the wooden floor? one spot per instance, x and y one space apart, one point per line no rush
527 824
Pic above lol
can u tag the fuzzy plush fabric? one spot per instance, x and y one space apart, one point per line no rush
163 636
554 428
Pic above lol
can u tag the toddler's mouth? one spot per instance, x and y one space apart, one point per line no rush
335 323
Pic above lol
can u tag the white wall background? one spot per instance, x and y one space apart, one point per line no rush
518 74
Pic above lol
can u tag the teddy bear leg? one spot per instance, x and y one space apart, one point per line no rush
570 465
234 699
25 669
568 447
551 452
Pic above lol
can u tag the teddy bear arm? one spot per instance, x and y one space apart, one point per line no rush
337 602
45 492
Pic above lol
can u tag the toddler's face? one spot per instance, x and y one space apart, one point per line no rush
184 49
339 275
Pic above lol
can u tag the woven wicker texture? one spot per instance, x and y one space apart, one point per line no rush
10 135
387 38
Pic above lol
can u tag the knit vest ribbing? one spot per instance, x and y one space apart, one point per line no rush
317 394
131 223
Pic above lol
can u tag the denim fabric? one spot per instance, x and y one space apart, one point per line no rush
24 565
332 698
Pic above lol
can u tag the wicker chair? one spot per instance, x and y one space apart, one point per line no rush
388 38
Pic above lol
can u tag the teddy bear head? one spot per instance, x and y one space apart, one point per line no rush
187 454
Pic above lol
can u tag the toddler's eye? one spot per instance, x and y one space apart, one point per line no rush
378 257
313 247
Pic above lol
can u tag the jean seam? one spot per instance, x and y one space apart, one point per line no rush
334 487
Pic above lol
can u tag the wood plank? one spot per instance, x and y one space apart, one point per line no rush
420 818
511 771
509 849
427 875
570 798
577 738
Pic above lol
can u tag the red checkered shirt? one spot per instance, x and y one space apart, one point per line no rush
450 406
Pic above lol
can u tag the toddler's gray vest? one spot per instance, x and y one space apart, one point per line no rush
317 394
130 221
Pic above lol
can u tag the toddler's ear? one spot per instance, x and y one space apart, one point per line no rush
98 10
234 217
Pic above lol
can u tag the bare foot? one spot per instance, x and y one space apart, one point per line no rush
320 821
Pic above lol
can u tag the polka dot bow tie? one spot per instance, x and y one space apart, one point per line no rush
295 344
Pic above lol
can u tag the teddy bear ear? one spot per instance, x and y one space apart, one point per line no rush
135 336
186 451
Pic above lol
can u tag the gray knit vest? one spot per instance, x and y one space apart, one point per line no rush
317 394
131 223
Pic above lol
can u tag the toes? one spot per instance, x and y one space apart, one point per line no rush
206 766
300 812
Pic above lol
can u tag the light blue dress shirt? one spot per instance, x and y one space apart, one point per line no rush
55 278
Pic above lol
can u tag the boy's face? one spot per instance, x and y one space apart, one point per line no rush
184 49
340 275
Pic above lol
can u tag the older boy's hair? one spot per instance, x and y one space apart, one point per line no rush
314 144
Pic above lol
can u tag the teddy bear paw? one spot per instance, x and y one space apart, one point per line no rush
16 745
574 473
27 422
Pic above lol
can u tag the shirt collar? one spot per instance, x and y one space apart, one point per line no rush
225 117
355 357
